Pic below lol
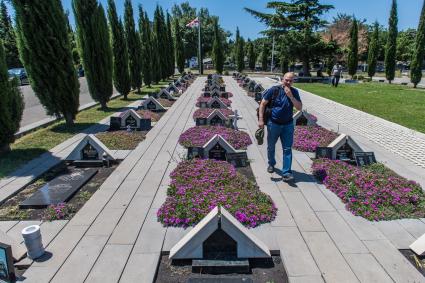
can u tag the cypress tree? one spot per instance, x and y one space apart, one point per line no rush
145 32
7 34
11 105
372 56
179 46
156 63
161 41
419 52
170 41
121 75
353 49
252 56
218 56
264 56
391 46
45 51
96 52
133 46
240 56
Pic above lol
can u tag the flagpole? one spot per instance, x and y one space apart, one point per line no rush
200 64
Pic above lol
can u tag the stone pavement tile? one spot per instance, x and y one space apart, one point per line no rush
18 248
105 222
160 197
16 231
306 279
173 236
341 233
395 233
394 263
151 237
294 252
266 233
367 269
363 228
50 229
7 225
414 226
123 196
141 268
110 264
129 225
79 263
283 216
302 213
331 263
333 198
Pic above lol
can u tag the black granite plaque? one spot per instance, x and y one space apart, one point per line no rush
89 152
151 105
345 153
258 96
207 94
215 94
163 95
225 95
145 124
238 159
222 88
302 121
201 121
216 105
324 152
194 152
217 152
60 189
115 123
131 121
364 158
217 121
207 88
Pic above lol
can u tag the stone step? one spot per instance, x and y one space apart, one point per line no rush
212 266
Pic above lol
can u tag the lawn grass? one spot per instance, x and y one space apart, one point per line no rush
399 104
34 144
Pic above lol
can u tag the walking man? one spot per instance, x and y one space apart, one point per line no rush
336 74
276 110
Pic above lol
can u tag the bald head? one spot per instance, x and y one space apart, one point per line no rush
288 79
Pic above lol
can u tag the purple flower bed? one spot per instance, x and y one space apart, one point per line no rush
199 185
147 114
373 192
198 136
308 138
205 112
226 101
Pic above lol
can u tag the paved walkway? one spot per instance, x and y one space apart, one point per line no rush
116 236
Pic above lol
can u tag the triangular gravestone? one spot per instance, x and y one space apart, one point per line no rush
303 118
344 148
152 104
194 244
418 246
172 87
90 148
218 148
216 103
164 94
216 118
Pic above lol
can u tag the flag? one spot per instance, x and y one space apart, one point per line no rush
193 23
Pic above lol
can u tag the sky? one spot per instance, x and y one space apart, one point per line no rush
232 14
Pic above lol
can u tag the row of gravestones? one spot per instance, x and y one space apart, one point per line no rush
343 148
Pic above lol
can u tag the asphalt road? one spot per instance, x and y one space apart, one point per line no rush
35 112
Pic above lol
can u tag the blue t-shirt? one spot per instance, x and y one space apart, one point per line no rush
282 105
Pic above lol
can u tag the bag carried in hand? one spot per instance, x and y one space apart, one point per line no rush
268 110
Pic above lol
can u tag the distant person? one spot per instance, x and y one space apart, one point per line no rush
336 74
320 73
276 111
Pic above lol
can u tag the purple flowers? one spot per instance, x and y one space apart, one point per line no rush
198 136
198 185
373 192
308 138
147 114
205 112
226 101
56 212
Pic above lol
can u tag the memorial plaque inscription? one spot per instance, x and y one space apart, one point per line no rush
364 158
89 152
324 152
130 121
217 152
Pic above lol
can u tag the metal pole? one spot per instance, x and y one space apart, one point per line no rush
199 47
271 67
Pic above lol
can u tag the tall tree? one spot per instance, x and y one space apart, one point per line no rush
372 57
156 63
11 105
283 55
299 19
391 46
240 55
96 52
419 53
170 42
353 49
121 75
252 56
264 56
146 36
45 51
7 34
134 46
179 46
161 41
218 55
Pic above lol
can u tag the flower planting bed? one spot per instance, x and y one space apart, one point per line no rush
201 99
165 102
121 140
373 192
308 138
198 136
198 185
10 210
147 114
205 112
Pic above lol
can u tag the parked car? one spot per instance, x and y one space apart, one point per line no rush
20 74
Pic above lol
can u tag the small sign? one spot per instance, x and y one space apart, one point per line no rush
7 270
238 159
115 123
323 152
364 158
216 121
216 105
201 121
151 105
89 152
130 121
217 152
145 124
